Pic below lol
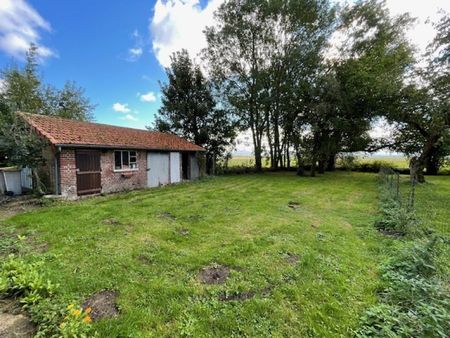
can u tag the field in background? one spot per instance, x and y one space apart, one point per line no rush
395 162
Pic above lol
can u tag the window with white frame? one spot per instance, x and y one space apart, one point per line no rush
125 160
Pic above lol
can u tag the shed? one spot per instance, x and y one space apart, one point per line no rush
88 158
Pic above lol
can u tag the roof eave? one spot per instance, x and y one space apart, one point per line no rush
108 146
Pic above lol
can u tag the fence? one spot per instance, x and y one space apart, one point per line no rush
391 179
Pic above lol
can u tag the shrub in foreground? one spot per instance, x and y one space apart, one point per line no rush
24 282
415 302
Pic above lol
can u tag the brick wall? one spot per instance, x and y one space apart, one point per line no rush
67 172
118 181
112 181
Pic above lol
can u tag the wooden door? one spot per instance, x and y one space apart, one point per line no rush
88 172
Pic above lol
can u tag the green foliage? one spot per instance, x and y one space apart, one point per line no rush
415 302
395 214
25 282
190 110
23 91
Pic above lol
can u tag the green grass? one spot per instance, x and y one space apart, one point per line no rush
243 222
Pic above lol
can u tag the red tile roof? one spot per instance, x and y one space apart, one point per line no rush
64 132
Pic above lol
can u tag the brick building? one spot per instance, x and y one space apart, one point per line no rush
88 158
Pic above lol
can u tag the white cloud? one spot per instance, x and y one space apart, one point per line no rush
21 25
121 108
129 117
2 85
137 50
178 24
149 97
135 53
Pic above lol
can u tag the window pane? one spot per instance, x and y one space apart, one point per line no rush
117 160
133 153
125 157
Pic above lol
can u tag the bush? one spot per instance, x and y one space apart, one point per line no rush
414 302
395 215
24 281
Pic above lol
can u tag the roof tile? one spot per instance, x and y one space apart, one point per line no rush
65 132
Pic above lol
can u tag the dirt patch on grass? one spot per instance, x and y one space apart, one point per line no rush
215 274
103 304
13 323
294 205
11 206
292 258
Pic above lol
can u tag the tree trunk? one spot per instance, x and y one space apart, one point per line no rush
331 163
432 163
321 168
258 158
416 166
300 169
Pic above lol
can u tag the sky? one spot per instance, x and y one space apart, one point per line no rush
117 50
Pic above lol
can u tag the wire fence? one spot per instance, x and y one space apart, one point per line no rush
392 181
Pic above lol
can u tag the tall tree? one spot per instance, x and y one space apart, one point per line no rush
423 120
368 74
24 91
237 54
299 31
189 109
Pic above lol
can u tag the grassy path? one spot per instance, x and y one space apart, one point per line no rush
310 270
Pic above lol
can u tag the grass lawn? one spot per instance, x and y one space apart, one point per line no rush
308 269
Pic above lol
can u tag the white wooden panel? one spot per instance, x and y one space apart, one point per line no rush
26 178
175 168
158 169
12 182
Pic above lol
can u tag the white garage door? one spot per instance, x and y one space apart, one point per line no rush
158 169
175 168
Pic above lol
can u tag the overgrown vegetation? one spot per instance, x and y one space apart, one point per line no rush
25 282
414 300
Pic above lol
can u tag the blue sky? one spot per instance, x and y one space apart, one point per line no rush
116 50
91 43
